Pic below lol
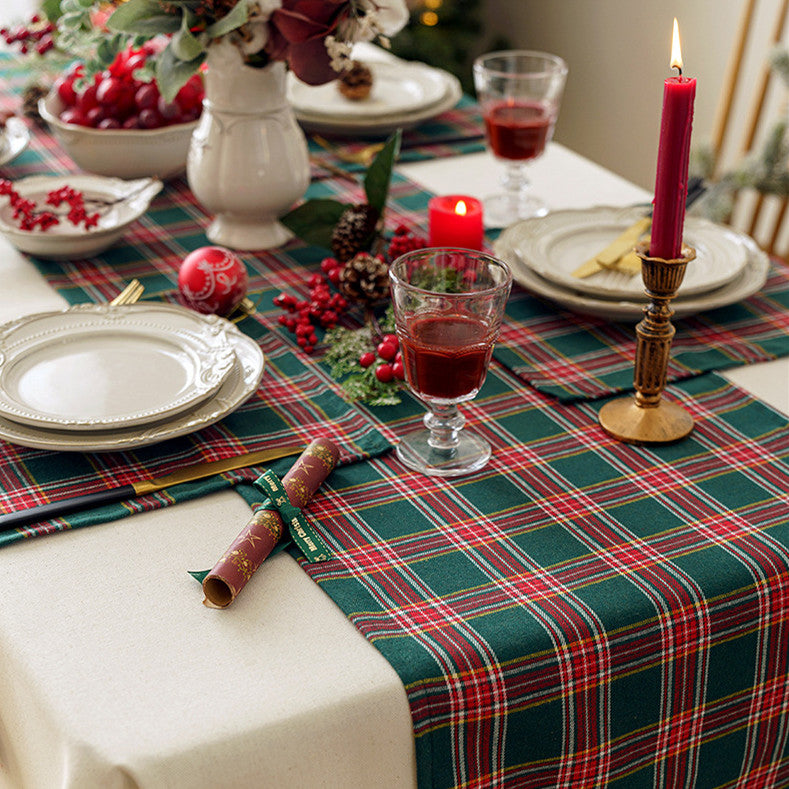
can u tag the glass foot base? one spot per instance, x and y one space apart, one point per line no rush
471 454
503 210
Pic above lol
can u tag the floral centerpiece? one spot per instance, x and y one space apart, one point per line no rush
313 37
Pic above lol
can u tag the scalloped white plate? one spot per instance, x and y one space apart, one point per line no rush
748 282
240 384
14 138
555 245
129 200
379 125
99 367
397 88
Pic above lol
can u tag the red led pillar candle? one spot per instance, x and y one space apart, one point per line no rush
671 182
455 221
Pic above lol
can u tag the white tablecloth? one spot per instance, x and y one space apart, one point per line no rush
112 672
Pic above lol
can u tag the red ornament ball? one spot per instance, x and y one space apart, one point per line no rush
212 280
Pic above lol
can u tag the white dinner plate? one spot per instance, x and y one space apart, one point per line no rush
99 367
556 244
242 381
746 283
14 138
381 125
122 202
397 88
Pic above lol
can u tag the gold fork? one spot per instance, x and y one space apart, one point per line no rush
130 294
363 156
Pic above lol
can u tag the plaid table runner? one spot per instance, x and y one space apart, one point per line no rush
457 131
582 612
575 357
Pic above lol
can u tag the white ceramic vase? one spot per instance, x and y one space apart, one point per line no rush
248 161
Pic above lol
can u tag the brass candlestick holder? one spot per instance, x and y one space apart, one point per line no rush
646 418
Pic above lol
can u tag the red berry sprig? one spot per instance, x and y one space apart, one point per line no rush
404 241
29 216
390 367
321 310
35 35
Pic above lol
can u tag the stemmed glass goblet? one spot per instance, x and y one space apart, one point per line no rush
448 307
520 92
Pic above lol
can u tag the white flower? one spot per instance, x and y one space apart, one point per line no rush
339 52
390 15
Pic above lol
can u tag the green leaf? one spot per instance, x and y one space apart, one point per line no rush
184 44
314 220
236 18
379 173
173 73
144 17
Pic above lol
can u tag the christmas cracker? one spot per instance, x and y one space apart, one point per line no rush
280 511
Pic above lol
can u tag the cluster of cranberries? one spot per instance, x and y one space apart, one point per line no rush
35 35
117 99
404 241
322 309
29 216
387 358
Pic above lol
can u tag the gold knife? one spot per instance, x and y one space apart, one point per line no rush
615 250
54 509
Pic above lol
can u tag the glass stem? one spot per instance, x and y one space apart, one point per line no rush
444 423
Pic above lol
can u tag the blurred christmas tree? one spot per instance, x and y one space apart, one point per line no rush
447 34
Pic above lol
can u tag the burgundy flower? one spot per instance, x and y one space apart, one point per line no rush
298 30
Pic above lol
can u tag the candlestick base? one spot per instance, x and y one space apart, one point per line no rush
645 418
627 421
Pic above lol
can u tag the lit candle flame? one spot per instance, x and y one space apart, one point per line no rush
676 50
460 208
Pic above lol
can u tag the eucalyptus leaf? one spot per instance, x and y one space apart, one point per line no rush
314 220
236 18
186 46
379 173
172 73
143 17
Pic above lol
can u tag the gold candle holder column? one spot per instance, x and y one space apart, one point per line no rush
646 418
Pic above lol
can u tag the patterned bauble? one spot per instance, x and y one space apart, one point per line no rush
212 280
354 231
365 278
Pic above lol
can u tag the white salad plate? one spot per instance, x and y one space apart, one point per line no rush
99 367
749 281
14 138
377 119
555 245
119 202
242 381
397 88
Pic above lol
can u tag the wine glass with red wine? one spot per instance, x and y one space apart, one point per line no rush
520 92
448 306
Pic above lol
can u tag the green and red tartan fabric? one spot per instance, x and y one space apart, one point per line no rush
581 612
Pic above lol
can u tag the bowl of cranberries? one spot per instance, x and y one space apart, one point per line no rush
117 123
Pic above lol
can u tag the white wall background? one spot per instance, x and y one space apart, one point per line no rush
618 54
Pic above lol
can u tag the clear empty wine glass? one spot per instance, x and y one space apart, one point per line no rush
520 92
448 306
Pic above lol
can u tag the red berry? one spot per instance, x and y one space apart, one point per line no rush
366 359
390 338
387 350
384 373
146 96
398 371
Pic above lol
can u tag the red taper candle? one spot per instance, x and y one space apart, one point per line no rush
671 182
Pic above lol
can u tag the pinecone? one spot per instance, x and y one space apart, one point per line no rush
353 231
365 278
355 83
30 98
